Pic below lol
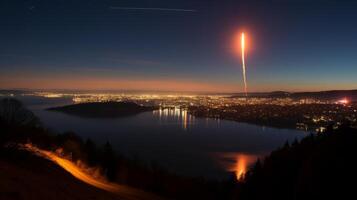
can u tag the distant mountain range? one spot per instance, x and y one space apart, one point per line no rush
326 95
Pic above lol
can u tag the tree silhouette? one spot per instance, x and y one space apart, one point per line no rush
109 161
12 112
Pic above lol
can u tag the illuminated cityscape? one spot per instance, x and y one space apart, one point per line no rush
309 114
178 99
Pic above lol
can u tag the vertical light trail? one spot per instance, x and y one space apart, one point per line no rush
243 64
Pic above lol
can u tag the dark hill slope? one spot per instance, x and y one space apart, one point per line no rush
26 176
318 167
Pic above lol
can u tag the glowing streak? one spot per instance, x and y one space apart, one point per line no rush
82 174
243 64
73 169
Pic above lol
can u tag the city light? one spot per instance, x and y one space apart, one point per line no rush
343 101
307 114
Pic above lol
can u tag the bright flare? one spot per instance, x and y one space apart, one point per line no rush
243 65
343 101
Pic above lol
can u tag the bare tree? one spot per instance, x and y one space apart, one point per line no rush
13 112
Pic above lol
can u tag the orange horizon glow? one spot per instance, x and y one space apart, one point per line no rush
74 82
79 83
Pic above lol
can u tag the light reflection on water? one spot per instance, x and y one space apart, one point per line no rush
180 115
236 162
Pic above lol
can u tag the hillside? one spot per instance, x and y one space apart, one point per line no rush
319 167
26 176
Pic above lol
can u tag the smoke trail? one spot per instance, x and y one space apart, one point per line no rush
243 65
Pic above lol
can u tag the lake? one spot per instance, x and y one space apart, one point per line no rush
172 138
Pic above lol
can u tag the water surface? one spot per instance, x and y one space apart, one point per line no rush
173 138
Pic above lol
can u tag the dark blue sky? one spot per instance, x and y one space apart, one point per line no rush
178 45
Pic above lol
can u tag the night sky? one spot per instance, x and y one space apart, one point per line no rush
178 45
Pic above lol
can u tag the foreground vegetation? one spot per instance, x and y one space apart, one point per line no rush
317 167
